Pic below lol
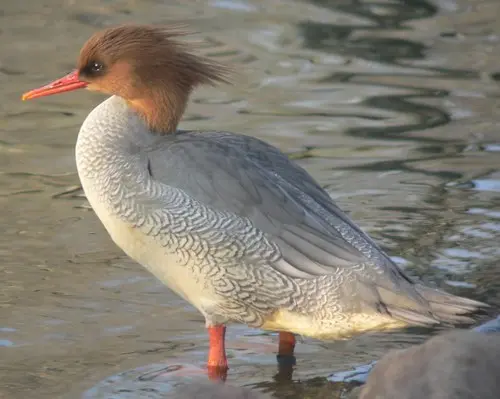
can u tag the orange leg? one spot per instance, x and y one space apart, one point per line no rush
285 358
217 361
286 344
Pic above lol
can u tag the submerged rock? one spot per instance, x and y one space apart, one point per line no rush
209 390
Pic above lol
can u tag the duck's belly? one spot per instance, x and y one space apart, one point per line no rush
195 289
164 265
338 326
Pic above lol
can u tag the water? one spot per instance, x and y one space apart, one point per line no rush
391 105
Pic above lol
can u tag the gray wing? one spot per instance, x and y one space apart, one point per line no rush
253 180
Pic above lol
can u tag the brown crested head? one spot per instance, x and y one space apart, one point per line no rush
147 66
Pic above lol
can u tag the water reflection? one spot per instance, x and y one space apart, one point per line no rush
387 15
383 54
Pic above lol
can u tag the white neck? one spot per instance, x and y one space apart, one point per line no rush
109 160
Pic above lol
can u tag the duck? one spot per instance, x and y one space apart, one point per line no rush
227 221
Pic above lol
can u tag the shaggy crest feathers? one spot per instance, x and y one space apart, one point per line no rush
150 68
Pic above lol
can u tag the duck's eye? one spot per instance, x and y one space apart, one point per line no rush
93 69
96 67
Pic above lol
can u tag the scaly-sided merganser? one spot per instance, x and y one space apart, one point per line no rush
227 221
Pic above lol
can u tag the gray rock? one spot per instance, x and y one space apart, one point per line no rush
456 365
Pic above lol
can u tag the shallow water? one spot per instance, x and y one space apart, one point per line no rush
391 105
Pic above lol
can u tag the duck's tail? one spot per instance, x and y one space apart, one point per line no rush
423 306
451 309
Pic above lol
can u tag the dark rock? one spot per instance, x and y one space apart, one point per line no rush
456 365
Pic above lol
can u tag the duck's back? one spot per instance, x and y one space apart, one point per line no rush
291 225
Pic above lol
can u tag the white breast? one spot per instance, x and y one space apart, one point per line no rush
107 133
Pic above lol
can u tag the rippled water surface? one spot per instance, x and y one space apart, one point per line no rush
392 105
